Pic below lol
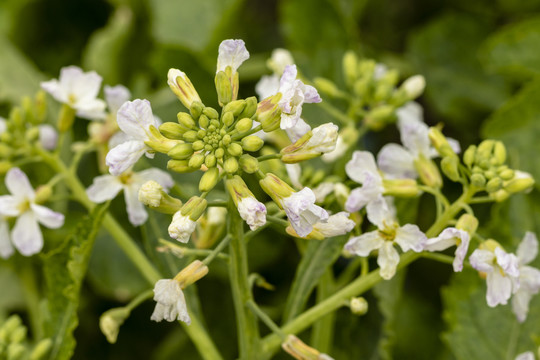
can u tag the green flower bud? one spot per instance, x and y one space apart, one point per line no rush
276 188
391 77
469 156
269 113
209 179
478 180
41 350
359 306
198 145
210 160
449 166
152 195
194 208
250 109
326 86
236 107
231 165
226 140
110 322
32 134
186 120
378 117
350 68
468 223
196 109
219 153
158 142
224 88
506 174
252 143
522 181
204 122
362 87
484 150
228 118
180 166
215 123
201 134
211 113
172 130
244 125
499 152
440 143
182 87
248 163
235 149
382 92
401 187
18 335
366 68
15 351
196 161
494 185
500 195
190 136
181 151
414 86
490 174
428 172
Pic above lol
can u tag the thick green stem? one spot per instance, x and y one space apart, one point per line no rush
246 322
323 330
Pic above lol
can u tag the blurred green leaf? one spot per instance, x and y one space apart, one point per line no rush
65 268
476 331
445 52
517 124
104 50
513 50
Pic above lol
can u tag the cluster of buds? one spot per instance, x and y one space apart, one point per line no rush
489 172
14 342
373 89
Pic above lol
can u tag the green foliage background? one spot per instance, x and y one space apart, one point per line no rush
481 60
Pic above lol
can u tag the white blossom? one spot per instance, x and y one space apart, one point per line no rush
323 190
181 227
231 53
450 237
337 224
302 212
3 125
170 302
135 119
502 273
324 138
48 137
363 169
294 94
279 60
79 90
528 355
408 237
340 150
529 277
26 234
106 187
252 211
116 96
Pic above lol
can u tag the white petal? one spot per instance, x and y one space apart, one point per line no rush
6 249
116 96
525 356
528 248
53 87
507 262
118 138
136 212
322 191
135 118
337 224
302 211
414 136
124 156
267 86
26 234
279 59
253 212
388 260
47 217
298 130
461 251
181 227
294 171
163 178
396 162
92 110
361 165
231 53
18 184
364 244
171 304
9 205
103 188
323 139
380 213
409 237
450 237
520 305
499 289
48 137
454 144
84 86
360 197
339 151
482 260
410 112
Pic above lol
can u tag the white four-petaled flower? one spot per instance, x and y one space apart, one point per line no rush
181 227
170 302
450 237
302 212
529 277
252 211
362 169
26 234
231 53
79 90
408 237
337 224
106 187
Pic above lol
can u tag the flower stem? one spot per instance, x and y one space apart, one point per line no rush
266 319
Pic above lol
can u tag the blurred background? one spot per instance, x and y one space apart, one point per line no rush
480 59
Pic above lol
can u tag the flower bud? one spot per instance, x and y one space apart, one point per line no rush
219 153
414 86
244 125
248 163
252 143
269 113
494 185
196 109
182 87
110 322
478 180
276 188
250 109
320 140
499 152
440 143
181 151
180 166
400 187
41 350
196 161
428 172
500 196
228 118
231 165
449 166
236 107
326 86
359 306
469 156
194 207
506 174
65 118
158 142
350 68
15 351
186 121
468 223
152 195
250 209
235 149
210 112
191 273
210 160
172 130
224 86
522 181
190 136
209 179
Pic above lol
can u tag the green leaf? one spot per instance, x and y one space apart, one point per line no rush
105 48
513 50
445 52
318 256
64 269
517 124
476 331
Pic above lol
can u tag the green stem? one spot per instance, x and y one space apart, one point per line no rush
28 279
323 329
269 157
217 250
182 251
246 322
266 319
204 344
334 112
244 134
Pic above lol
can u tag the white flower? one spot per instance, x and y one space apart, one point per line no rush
302 212
323 190
252 211
528 355
26 234
529 277
337 224
171 304
231 53
502 273
48 136
337 153
362 169
298 130
79 90
3 125
294 94
294 171
414 86
116 96
408 237
106 187
181 227
279 60
324 138
450 237
135 119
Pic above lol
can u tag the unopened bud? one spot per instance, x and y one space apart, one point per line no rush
194 208
522 181
209 179
182 88
469 156
228 118
196 109
250 109
41 106
172 130
468 223
450 167
236 107
152 195
252 143
506 174
210 160
248 163
180 166
231 165
428 172
196 161
350 67
499 152
359 306
440 143
219 153
186 121
326 86
400 187
181 151
224 86
379 116
5 166
494 185
269 113
191 273
190 136
244 125
41 350
414 86
299 350
500 195
15 351
210 112
18 335
276 188
478 180
235 149
110 322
